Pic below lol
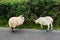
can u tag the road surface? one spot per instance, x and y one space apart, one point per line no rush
28 34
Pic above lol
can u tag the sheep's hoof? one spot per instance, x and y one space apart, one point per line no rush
12 29
51 30
47 30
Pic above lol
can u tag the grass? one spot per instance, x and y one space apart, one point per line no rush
3 22
29 26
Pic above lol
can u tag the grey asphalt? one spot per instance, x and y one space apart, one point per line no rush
28 34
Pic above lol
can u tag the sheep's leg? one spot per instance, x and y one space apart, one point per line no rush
48 27
51 26
12 29
41 26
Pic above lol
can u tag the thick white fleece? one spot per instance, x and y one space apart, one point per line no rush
15 21
45 21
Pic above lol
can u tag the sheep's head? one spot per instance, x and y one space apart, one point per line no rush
21 16
35 21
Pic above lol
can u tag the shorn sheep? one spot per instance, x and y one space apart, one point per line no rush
47 20
16 21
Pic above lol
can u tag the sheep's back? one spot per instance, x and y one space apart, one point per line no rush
44 21
20 21
49 18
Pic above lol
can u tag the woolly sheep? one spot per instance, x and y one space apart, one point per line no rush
45 21
16 21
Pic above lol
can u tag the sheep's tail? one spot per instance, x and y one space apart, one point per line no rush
10 24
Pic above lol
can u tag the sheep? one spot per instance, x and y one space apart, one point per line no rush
47 20
16 21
